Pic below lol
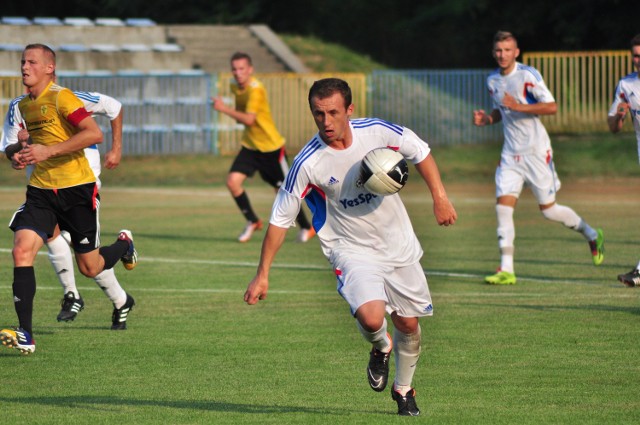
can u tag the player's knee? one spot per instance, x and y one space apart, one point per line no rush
89 270
22 256
406 325
371 323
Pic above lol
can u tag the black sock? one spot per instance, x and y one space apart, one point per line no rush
302 220
113 253
245 207
24 291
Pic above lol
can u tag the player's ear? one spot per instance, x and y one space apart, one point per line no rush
350 109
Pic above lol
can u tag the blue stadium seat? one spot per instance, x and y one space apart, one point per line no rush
47 21
110 22
105 47
167 47
11 47
78 22
99 73
135 47
140 22
15 20
73 48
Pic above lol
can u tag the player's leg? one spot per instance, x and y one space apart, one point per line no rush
80 218
61 259
509 183
244 166
371 321
32 224
545 183
361 284
408 299
122 302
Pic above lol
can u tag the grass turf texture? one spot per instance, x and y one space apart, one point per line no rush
558 347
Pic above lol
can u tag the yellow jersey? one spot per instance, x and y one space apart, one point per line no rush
263 134
52 118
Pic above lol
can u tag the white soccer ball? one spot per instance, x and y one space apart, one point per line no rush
383 171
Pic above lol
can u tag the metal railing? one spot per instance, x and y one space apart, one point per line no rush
168 113
583 84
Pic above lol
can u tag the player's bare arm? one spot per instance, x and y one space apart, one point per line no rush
443 209
113 157
259 285
549 108
481 118
89 134
617 121
245 118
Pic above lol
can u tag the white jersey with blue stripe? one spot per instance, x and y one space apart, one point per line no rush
94 103
349 219
523 133
628 91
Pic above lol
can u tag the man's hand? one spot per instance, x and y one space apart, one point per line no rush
481 118
257 290
112 159
33 154
509 101
445 213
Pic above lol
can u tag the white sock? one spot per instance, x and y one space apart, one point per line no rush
569 218
107 281
506 237
638 266
407 352
62 262
379 339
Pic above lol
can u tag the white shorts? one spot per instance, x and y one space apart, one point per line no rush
403 289
535 170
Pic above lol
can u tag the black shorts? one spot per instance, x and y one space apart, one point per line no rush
74 209
272 166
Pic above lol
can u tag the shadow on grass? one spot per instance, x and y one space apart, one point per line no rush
84 401
592 307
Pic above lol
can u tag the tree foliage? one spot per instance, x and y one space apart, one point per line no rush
398 33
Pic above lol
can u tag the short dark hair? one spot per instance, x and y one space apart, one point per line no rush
635 41
241 55
504 36
46 49
327 87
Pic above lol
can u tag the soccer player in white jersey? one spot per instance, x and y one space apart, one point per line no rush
368 239
58 246
520 96
627 100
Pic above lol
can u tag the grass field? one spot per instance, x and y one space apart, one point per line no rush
559 347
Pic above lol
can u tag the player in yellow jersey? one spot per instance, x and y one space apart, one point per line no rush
61 191
262 145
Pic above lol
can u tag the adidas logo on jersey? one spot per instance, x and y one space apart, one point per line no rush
333 180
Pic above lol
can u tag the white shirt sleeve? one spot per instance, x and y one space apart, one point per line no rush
11 127
100 104
412 147
618 98
285 209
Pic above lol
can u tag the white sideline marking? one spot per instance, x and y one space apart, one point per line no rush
477 277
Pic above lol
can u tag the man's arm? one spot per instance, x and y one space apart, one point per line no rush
259 285
245 118
89 134
481 118
442 207
113 157
617 121
548 108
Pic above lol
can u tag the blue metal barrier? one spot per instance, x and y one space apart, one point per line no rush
437 104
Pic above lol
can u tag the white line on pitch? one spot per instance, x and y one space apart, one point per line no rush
327 267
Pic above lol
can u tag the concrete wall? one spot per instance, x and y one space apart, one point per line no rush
206 47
